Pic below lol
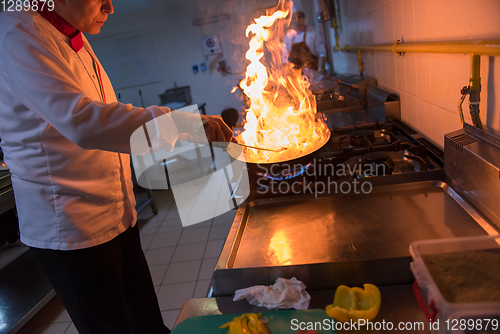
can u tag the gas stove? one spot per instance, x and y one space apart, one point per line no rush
382 149
355 158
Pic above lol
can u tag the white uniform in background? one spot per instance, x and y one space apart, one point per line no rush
71 188
313 41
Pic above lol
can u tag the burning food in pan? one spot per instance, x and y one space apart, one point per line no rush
281 108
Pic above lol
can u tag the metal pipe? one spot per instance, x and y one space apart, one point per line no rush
480 47
336 29
328 45
474 48
347 109
323 16
334 24
475 72
339 17
475 89
360 64
375 47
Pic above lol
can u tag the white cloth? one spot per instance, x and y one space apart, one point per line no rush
283 294
71 188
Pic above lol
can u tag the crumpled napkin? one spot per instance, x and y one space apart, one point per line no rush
283 294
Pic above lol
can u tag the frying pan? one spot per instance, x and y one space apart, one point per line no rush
276 167
284 165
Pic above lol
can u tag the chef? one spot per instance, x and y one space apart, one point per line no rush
304 48
66 140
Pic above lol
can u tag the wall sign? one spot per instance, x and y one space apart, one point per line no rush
211 45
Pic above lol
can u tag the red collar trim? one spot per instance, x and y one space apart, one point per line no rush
75 36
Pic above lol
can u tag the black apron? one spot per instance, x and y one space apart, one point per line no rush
301 56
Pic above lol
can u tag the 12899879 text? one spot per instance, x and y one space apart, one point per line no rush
26 5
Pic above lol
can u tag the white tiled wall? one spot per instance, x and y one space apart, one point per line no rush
428 84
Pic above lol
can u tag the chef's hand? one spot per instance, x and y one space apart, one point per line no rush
216 130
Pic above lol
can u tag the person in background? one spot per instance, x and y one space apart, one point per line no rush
66 140
304 48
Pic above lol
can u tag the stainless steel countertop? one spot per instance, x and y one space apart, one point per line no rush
350 118
340 239
301 230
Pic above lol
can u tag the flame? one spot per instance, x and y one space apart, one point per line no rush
282 109
280 248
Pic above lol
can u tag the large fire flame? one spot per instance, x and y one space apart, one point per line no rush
282 109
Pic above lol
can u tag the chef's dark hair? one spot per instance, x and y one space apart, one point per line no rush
300 14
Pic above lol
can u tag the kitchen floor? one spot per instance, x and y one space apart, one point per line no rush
181 261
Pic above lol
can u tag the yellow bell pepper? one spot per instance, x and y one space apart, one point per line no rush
247 323
355 303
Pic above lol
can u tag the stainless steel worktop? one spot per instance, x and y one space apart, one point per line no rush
379 225
348 239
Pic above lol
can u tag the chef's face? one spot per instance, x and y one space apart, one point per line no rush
85 15
298 21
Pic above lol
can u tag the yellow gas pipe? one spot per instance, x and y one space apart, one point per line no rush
335 25
474 48
489 47
360 64
475 89
475 72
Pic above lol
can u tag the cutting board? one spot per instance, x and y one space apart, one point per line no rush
280 322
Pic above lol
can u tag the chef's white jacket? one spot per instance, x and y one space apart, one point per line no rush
72 189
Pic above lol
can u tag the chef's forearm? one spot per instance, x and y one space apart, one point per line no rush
124 128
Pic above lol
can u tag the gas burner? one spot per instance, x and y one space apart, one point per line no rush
377 163
358 137
286 174
380 151
360 142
